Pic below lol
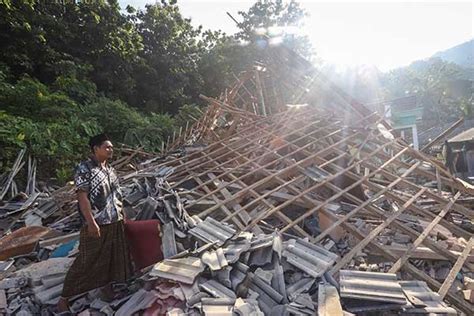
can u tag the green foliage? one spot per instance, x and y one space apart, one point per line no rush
442 88
55 128
169 74
275 20
71 69
30 98
187 115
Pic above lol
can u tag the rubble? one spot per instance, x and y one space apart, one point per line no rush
268 209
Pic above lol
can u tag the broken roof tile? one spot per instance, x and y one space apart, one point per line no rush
311 258
302 285
183 270
140 300
218 306
214 259
168 240
234 249
268 296
247 307
211 230
424 300
217 290
372 286
223 276
238 274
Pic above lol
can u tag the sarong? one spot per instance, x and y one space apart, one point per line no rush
100 261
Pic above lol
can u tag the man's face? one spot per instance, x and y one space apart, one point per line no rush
104 151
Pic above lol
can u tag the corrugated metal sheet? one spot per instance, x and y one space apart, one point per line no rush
424 300
211 230
311 258
183 270
372 286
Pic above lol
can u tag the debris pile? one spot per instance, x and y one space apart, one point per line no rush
268 208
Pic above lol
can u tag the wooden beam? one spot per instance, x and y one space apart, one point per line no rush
397 265
448 282
361 245
363 205
443 134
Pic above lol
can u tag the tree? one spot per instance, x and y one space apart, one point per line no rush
37 36
274 22
442 88
169 74
266 24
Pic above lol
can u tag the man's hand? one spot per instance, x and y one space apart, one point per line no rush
93 229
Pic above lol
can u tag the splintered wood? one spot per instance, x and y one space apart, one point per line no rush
317 171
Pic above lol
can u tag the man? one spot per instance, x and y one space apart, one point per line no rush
103 255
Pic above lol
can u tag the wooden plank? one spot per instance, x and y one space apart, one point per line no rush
414 234
456 300
455 270
239 223
361 245
288 171
422 253
241 153
443 134
363 205
397 265
312 188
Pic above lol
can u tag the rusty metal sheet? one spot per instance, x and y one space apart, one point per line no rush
23 240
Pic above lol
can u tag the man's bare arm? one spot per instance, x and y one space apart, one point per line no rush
86 210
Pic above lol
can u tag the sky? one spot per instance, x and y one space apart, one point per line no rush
385 34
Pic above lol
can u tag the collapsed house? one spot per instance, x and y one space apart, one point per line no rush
460 155
286 197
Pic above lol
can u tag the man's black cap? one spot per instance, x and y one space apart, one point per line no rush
97 140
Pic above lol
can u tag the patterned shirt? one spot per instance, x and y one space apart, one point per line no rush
103 190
